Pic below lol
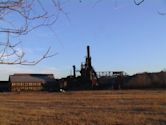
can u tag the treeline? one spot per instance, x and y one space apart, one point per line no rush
145 80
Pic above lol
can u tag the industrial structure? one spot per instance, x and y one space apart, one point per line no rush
88 79
87 71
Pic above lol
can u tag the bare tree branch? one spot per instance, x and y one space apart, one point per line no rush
161 13
138 2
18 57
30 20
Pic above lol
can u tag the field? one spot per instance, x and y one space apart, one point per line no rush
133 107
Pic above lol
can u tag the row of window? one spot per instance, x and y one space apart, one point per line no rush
26 84
26 88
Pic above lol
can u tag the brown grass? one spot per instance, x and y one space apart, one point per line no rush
84 108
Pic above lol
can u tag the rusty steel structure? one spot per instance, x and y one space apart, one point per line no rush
87 71
111 73
86 80
90 79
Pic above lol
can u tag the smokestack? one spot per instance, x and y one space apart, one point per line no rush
74 70
88 58
88 51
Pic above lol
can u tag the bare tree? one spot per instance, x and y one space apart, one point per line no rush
27 15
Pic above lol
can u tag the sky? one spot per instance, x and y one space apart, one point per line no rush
121 35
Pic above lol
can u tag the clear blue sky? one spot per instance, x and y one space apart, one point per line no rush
122 36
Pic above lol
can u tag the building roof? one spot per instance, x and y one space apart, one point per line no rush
43 78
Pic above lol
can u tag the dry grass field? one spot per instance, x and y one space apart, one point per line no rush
133 107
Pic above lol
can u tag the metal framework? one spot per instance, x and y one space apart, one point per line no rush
111 73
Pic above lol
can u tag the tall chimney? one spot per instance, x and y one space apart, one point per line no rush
88 58
88 51
74 70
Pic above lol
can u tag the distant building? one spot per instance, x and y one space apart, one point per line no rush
33 82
